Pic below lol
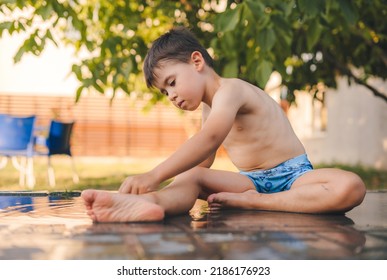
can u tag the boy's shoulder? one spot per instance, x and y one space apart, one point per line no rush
239 87
231 81
230 85
238 93
234 92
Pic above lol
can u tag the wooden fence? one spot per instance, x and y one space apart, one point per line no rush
104 128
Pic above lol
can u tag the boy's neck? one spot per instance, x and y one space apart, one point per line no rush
213 82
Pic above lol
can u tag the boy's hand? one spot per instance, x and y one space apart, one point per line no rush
139 184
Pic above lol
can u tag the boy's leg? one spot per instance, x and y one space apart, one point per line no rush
199 182
317 191
177 198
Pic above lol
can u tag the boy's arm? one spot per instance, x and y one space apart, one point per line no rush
204 144
199 149
210 160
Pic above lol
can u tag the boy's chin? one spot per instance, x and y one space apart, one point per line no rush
190 109
187 108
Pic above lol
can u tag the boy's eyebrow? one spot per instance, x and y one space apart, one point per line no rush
163 83
166 79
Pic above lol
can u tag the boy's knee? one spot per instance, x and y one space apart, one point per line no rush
354 189
193 174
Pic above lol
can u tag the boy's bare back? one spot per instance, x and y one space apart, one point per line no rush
261 136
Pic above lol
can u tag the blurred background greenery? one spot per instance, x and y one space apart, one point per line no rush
308 42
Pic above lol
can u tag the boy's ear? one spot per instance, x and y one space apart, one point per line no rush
198 60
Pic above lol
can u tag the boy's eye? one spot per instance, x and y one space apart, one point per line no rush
164 92
172 83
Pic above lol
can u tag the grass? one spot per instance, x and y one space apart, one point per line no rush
374 179
109 173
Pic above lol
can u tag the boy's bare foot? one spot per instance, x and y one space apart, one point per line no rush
103 206
232 200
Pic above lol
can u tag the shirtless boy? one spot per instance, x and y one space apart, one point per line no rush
275 173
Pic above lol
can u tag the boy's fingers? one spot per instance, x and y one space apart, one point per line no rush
124 188
121 189
214 207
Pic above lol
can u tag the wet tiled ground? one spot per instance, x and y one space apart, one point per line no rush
43 226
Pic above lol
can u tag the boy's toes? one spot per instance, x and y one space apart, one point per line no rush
211 198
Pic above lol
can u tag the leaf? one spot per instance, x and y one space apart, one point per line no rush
49 36
266 39
228 20
255 7
19 54
263 72
79 93
311 7
288 7
349 11
263 21
45 11
313 34
231 69
98 87
228 44
76 69
5 26
283 30
126 68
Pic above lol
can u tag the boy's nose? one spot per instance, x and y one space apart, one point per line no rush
172 95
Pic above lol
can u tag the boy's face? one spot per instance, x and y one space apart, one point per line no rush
181 82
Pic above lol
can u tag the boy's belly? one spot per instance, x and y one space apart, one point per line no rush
247 159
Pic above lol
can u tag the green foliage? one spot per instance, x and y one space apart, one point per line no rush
308 42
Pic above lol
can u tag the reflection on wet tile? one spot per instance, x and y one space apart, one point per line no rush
42 226
281 235
19 253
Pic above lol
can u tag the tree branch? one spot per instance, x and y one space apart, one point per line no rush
346 71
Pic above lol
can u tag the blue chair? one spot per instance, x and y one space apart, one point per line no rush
16 141
12 203
56 143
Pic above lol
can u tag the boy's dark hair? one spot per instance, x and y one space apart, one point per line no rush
177 44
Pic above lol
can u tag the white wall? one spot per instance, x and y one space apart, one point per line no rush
356 131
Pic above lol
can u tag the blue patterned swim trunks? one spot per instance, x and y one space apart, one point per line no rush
281 177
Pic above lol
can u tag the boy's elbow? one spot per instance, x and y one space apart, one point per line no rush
214 145
208 162
211 142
